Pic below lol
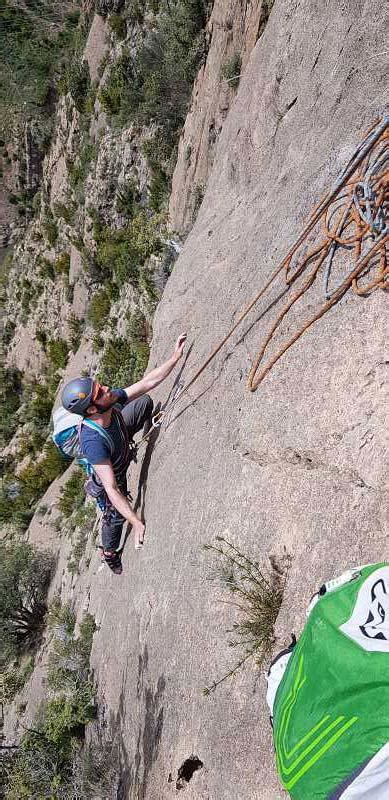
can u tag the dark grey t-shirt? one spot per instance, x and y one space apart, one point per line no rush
97 450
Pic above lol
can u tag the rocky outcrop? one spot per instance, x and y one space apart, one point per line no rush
232 32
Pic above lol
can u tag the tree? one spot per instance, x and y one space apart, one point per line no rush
24 578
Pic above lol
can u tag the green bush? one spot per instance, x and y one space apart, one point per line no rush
69 655
62 264
98 311
25 573
62 617
14 678
231 69
66 212
137 327
76 327
257 596
50 230
38 399
79 170
127 199
72 493
10 399
37 477
122 253
123 362
159 189
78 82
8 332
121 92
82 523
48 761
40 41
118 25
45 268
58 353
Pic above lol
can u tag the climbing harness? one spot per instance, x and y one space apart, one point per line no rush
354 216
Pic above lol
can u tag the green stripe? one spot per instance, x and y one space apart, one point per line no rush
320 753
287 770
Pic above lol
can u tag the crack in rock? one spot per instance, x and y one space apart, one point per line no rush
305 460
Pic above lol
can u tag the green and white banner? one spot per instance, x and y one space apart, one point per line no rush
329 697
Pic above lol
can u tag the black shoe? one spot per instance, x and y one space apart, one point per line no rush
113 559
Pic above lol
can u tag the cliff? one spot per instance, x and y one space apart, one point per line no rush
293 472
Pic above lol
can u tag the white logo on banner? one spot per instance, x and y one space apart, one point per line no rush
368 625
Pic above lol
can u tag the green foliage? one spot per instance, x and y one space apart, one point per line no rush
58 353
118 25
37 477
137 327
66 212
98 311
8 332
24 578
76 327
154 86
257 597
159 189
121 92
77 83
50 230
136 11
38 401
61 615
231 69
123 363
197 199
62 264
45 268
81 526
14 678
39 40
79 170
66 717
10 398
48 763
121 253
69 656
126 199
72 493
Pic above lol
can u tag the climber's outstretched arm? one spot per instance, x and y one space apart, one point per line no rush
157 375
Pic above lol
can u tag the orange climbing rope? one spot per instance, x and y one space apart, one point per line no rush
359 206
354 216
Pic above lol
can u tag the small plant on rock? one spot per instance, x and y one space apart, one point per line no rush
256 596
231 70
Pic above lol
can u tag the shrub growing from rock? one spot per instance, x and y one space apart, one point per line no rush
98 310
58 353
25 574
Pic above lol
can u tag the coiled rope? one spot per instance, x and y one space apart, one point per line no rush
353 216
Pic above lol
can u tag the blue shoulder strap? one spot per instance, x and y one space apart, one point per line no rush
100 430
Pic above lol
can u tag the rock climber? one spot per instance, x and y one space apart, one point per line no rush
121 413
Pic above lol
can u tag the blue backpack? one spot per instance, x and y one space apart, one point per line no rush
66 436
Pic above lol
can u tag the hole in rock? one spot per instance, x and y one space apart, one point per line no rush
187 770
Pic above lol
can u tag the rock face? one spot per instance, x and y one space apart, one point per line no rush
231 33
297 465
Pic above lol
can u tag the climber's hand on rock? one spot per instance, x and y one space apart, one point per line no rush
179 348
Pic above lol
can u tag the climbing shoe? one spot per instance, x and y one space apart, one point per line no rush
113 559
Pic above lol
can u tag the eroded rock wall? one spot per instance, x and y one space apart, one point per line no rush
299 465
